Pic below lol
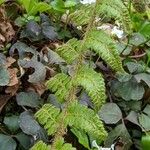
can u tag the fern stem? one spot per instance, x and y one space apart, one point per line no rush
72 93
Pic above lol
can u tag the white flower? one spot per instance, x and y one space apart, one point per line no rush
87 1
117 32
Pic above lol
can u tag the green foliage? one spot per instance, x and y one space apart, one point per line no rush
60 84
104 46
48 116
32 7
40 146
2 1
94 85
112 8
78 116
69 51
59 145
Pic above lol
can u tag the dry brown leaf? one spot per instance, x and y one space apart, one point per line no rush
13 76
39 88
9 62
6 30
12 89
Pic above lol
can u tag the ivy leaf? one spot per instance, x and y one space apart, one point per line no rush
137 39
24 140
49 32
30 99
82 137
12 122
133 117
4 76
7 142
143 77
144 120
39 70
28 124
147 110
119 131
134 67
130 90
33 29
2 59
110 113
22 49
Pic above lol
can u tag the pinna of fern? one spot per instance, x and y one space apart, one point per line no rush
112 9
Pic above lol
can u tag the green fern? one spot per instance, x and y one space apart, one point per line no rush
79 17
74 115
104 46
69 51
40 146
112 8
48 116
94 84
85 119
78 116
60 84
59 145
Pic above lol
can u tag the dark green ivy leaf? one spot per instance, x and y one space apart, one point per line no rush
7 142
30 99
110 113
4 76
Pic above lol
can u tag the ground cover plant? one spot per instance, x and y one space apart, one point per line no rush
74 74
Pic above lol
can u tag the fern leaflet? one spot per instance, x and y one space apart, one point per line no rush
94 84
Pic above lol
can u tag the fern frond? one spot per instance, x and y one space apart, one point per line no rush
112 8
48 117
40 146
104 46
94 84
117 10
85 119
60 84
82 15
61 145
69 51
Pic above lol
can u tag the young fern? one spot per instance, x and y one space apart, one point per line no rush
74 114
94 85
60 145
112 8
60 84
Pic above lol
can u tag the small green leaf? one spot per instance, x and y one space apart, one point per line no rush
4 76
82 137
28 124
58 5
70 3
143 77
110 113
119 131
24 140
7 143
145 121
39 7
30 99
137 39
133 117
145 142
130 90
12 122
147 110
